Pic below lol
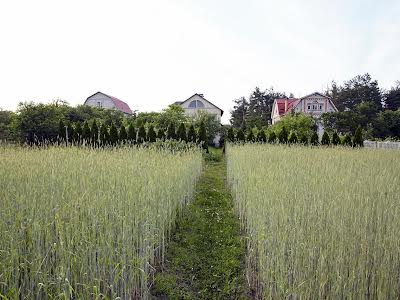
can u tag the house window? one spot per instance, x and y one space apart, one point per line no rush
309 107
196 104
98 104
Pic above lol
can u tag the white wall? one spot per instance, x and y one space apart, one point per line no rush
104 100
208 107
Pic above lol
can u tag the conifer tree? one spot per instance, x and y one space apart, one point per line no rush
104 135
123 135
77 133
346 140
95 133
231 135
250 136
70 133
61 131
314 139
151 134
358 140
192 137
325 140
203 136
240 135
292 138
86 133
261 137
335 139
303 139
131 134
272 137
113 135
141 135
181 134
161 134
283 135
171 134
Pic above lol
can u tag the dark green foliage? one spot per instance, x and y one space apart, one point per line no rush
283 135
86 134
303 139
181 134
131 137
261 137
250 136
70 133
335 138
325 140
77 133
358 140
151 134
314 139
231 135
192 137
141 135
61 131
292 138
104 136
392 97
95 132
240 137
161 134
113 135
346 140
123 135
272 137
203 139
171 134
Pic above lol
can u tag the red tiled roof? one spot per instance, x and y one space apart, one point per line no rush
121 105
291 103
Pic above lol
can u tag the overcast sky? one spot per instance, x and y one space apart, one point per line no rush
152 53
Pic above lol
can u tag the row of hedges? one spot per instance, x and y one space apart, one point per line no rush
284 137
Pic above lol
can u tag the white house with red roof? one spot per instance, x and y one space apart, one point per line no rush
102 100
314 105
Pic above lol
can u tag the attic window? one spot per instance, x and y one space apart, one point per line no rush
98 104
196 104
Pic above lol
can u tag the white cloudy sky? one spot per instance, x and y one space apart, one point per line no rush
151 53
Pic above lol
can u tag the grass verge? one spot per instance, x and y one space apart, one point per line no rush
205 257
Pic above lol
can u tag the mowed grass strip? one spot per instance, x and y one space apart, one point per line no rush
205 258
322 222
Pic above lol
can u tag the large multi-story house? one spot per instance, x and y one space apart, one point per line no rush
196 103
102 100
314 105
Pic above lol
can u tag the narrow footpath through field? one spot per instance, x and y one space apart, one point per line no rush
205 257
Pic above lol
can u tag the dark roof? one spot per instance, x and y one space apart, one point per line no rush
119 104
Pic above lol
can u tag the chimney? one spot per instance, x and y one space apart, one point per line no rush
286 104
201 95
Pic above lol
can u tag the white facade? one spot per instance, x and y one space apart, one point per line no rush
197 103
100 100
315 105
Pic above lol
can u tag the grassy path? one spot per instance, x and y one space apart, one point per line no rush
205 258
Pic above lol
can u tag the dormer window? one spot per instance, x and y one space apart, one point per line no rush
196 104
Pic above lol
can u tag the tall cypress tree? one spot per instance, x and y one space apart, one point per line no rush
335 139
77 133
231 135
86 134
151 134
325 140
104 135
346 140
203 136
161 134
181 134
192 136
358 140
283 135
113 135
250 136
314 139
261 137
303 139
141 135
95 133
292 138
171 134
272 137
131 134
240 135
70 133
123 135
61 131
